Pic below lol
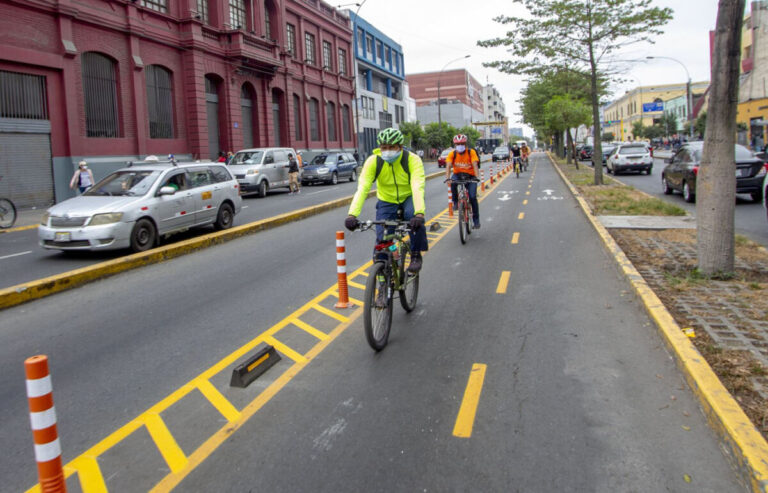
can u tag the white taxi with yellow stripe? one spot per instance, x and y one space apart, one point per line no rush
137 205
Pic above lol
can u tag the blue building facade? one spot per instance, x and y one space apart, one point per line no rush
380 83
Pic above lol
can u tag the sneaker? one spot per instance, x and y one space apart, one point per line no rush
415 265
298 191
477 224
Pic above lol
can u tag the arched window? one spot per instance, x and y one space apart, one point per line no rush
159 102
297 117
330 110
100 95
345 123
314 119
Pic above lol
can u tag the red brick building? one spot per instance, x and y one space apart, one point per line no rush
115 80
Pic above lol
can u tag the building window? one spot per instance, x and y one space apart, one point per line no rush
330 110
342 61
159 102
388 57
369 107
327 56
267 22
22 96
380 52
314 119
397 115
100 94
309 48
157 5
369 48
385 120
202 10
290 39
237 13
345 123
297 116
360 46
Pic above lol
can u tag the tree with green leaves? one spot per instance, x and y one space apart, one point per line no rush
562 113
413 134
581 34
439 137
471 133
668 122
638 130
606 137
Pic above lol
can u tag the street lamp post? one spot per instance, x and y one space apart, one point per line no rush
439 104
688 95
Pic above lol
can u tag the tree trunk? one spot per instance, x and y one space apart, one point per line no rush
571 149
716 180
597 133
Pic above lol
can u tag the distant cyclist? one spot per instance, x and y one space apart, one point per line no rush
516 155
464 163
399 177
525 151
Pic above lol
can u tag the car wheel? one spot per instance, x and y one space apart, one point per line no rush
665 187
687 194
143 235
353 176
263 188
225 218
757 196
334 178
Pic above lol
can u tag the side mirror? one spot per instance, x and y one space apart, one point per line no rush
166 191
434 226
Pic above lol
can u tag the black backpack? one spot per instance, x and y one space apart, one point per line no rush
403 162
479 161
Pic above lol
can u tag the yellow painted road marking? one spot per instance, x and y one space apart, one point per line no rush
19 228
521 215
165 442
527 193
308 328
466 418
525 202
257 362
356 285
285 349
515 238
330 313
503 282
218 400
91 479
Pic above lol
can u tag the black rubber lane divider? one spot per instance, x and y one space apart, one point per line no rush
249 370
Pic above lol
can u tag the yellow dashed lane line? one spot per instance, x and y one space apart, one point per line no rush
466 418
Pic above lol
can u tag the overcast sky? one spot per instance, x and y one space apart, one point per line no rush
434 32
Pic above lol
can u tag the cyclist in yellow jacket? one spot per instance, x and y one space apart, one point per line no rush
399 177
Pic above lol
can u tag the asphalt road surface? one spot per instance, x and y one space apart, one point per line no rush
23 260
750 216
571 387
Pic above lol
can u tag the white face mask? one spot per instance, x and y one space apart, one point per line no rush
390 156
461 148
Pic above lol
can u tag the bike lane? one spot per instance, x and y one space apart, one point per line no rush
578 392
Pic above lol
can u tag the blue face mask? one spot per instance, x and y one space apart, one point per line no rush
390 156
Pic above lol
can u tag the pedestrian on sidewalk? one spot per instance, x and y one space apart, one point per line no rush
83 177
293 175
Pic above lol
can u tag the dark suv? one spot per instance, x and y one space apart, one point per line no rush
501 153
330 167
585 153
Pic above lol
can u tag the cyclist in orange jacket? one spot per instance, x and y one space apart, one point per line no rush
463 162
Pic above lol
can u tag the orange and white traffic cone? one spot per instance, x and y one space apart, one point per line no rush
482 180
341 271
42 416
450 201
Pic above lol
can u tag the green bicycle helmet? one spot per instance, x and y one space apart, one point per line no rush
390 136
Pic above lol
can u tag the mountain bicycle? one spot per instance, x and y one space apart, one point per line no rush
387 276
464 207
517 162
7 212
525 163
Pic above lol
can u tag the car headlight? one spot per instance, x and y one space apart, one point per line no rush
761 172
108 218
322 171
44 219
252 172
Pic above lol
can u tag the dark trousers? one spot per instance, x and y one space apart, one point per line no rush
472 191
388 211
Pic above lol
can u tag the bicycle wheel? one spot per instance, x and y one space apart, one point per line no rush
462 218
469 214
517 170
409 290
377 316
7 214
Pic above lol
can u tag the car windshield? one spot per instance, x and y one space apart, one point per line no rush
125 183
501 149
446 152
608 149
633 150
742 153
322 159
247 157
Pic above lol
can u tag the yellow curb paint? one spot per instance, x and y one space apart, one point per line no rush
515 238
744 443
521 215
20 228
527 193
465 421
501 288
525 202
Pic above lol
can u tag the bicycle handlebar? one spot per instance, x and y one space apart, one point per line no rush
473 180
403 226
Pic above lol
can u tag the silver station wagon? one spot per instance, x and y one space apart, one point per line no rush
135 206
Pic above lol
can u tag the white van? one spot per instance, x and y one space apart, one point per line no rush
259 169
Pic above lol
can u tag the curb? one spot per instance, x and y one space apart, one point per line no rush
21 293
743 444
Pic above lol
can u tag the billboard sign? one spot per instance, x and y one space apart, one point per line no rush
655 106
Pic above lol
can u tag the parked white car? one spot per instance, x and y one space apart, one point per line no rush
635 156
137 205
258 170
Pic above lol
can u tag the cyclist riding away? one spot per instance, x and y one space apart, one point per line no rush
525 151
399 177
515 154
464 163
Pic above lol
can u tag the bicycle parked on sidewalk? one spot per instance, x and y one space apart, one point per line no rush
464 207
387 276
7 212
